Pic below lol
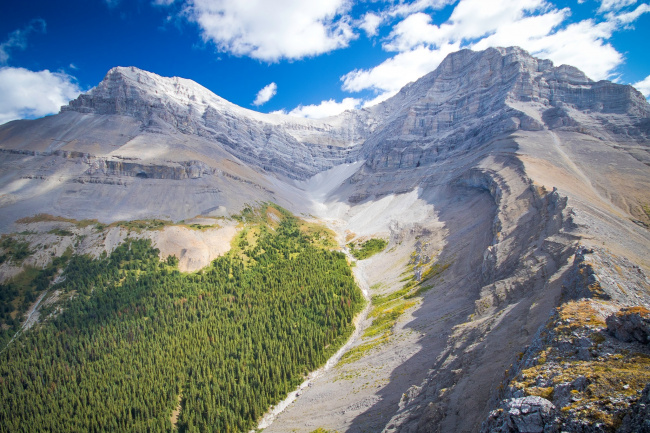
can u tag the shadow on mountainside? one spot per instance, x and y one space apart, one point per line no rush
449 303
451 383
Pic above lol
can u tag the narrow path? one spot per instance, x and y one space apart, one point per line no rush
362 282
32 315
176 412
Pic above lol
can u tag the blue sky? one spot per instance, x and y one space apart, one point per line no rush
304 58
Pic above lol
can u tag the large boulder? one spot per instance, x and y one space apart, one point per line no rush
523 415
630 324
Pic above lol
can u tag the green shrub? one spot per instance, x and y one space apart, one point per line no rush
368 249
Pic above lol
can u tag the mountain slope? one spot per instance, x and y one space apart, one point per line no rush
485 176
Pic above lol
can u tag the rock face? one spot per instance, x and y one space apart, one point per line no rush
469 99
273 143
638 421
596 274
523 415
523 185
472 97
178 171
630 324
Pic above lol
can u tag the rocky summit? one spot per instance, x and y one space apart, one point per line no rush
513 194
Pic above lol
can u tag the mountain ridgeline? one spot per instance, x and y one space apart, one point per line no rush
504 203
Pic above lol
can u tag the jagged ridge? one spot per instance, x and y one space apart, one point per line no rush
470 98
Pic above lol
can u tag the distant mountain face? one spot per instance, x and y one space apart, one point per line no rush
296 148
496 165
473 97
470 98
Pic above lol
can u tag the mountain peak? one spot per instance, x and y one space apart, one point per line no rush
132 91
512 75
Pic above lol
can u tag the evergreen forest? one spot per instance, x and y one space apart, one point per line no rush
142 347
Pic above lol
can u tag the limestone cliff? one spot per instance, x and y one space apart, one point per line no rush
469 99
296 148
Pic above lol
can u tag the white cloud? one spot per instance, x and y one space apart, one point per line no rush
581 45
643 86
470 19
415 30
265 94
163 2
18 39
403 9
29 94
324 109
370 23
614 5
270 31
629 17
525 31
394 73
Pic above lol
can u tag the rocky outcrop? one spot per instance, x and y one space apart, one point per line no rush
599 274
630 324
173 171
62 153
591 369
638 418
523 415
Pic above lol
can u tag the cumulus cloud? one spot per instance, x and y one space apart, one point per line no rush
392 74
324 109
582 45
370 23
406 8
628 17
524 31
614 5
29 94
470 19
18 39
270 31
265 94
643 86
